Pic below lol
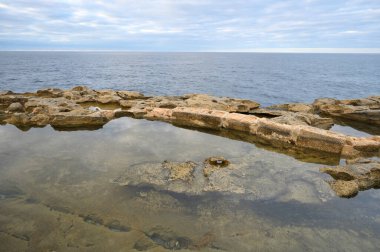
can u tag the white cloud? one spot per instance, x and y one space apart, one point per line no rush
192 25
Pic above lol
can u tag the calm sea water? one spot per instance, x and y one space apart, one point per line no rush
268 78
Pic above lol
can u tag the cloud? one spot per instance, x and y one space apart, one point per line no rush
188 25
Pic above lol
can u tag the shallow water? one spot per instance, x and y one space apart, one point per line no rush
269 78
57 193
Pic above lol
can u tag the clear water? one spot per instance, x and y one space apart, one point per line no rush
269 78
58 190
57 194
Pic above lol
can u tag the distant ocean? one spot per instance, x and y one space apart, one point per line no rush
268 78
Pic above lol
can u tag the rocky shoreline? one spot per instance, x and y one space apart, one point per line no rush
300 126
286 128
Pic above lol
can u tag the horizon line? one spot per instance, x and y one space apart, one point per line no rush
251 50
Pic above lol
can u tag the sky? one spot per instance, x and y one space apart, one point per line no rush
191 25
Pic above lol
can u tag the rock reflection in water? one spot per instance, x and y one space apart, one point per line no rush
56 194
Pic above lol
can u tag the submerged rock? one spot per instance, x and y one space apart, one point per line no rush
183 171
357 175
212 164
168 239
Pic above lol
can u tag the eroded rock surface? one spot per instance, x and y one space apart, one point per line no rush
183 171
357 175
282 126
212 164
364 110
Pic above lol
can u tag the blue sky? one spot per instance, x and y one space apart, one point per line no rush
190 25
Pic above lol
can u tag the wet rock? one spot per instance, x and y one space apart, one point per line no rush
123 113
294 117
77 121
130 95
6 100
3 117
16 107
305 119
212 164
23 237
345 189
283 126
144 244
168 239
50 92
205 241
127 103
354 177
220 103
116 226
183 171
92 219
363 110
61 209
136 113
9 190
293 107
320 140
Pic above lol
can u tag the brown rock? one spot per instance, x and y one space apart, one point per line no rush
293 107
65 120
130 95
320 140
362 110
212 164
196 117
345 189
180 171
220 103
50 92
358 175
16 107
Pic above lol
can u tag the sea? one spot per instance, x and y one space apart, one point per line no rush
268 78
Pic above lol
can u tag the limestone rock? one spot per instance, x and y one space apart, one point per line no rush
16 107
130 95
293 107
345 189
220 103
50 92
363 110
357 175
212 164
294 126
183 171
